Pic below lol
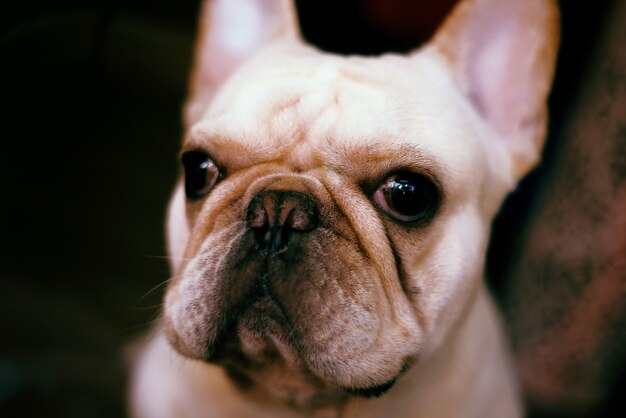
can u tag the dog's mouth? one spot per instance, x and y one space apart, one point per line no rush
260 347
256 333
293 305
308 329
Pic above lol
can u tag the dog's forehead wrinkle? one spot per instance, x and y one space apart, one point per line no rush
320 112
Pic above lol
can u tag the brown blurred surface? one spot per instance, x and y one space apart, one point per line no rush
90 116
565 294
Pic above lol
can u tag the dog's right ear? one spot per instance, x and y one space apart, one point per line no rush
230 31
502 54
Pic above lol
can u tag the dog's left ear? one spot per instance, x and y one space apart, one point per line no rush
230 31
502 54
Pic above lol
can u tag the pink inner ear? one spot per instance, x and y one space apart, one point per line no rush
231 31
237 28
501 54
498 74
247 17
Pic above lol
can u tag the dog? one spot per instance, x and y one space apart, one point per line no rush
328 235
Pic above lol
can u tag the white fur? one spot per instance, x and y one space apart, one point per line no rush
290 117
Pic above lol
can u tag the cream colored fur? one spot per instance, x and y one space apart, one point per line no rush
467 110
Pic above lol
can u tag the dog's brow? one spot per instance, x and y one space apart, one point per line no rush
230 148
202 135
376 157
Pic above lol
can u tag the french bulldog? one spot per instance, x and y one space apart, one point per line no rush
328 235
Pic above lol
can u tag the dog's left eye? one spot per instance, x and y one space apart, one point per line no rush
201 174
407 197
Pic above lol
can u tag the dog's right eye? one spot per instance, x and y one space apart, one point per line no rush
201 174
407 197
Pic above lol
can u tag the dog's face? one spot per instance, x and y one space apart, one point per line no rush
331 224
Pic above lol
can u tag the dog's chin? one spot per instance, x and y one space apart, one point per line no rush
259 351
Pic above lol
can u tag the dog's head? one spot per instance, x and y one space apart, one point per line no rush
331 224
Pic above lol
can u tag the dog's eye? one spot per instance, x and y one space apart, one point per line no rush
407 197
201 174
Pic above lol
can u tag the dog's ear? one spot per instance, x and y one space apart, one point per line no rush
502 54
229 32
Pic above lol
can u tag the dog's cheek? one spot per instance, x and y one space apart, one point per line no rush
327 289
441 273
199 301
343 323
183 324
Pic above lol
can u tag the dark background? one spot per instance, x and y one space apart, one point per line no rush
91 95
90 104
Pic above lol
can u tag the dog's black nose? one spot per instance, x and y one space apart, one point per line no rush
275 215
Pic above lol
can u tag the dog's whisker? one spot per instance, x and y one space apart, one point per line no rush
158 286
153 323
167 257
147 308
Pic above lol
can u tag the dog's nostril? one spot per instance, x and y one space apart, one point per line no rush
274 215
257 217
302 219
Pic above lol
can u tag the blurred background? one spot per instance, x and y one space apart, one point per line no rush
90 104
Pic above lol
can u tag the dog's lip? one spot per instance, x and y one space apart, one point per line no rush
375 391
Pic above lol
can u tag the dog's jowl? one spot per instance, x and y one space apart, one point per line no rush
328 233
